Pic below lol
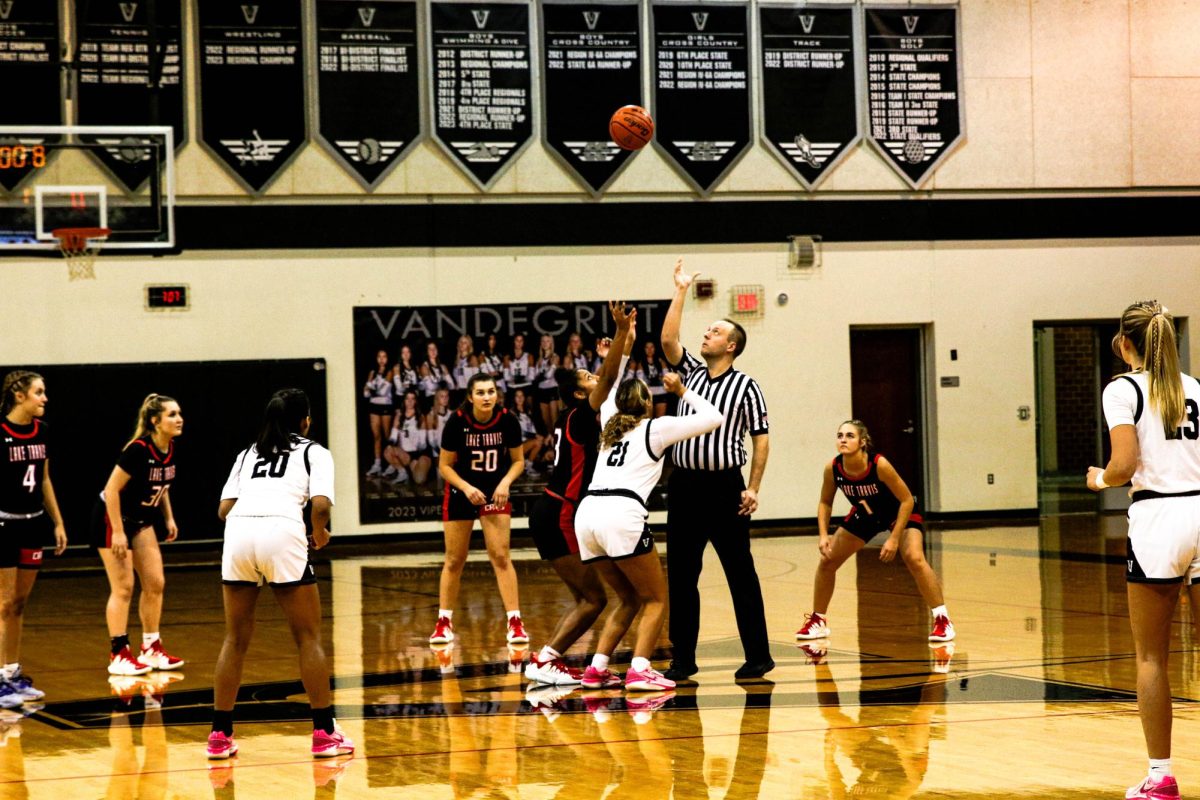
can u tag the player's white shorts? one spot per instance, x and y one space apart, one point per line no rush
271 550
611 527
1164 540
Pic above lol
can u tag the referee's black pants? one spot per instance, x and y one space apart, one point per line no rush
702 506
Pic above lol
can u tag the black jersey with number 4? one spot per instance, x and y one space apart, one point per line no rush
867 492
482 448
576 446
25 453
151 472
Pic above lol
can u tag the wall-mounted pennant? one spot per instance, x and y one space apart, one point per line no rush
368 84
251 89
591 66
701 87
482 84
130 73
809 89
914 86
29 72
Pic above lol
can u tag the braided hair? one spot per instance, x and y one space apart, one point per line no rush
634 404
19 380
1151 331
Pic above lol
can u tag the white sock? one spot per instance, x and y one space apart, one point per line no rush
445 612
640 664
8 670
941 611
149 639
600 662
514 614
548 654
1160 767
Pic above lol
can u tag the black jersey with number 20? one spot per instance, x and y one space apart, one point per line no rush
482 448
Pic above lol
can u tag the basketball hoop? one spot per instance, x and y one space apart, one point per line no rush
80 246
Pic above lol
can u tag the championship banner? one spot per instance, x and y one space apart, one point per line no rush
252 115
591 66
409 377
29 48
809 89
130 73
482 84
914 80
368 84
701 87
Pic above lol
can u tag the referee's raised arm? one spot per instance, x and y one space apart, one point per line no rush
672 349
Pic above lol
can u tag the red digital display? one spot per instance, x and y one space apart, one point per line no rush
18 156
166 297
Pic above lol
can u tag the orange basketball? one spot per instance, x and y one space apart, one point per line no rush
631 127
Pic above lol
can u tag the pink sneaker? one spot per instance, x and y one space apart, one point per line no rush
330 745
599 679
1154 788
641 706
649 681
516 632
221 746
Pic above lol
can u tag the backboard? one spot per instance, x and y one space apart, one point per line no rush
50 178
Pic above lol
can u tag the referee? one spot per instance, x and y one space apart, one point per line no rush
707 499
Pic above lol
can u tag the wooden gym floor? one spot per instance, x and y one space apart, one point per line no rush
1033 700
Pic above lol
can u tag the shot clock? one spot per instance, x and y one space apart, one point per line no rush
160 297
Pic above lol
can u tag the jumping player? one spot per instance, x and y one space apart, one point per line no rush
28 507
480 457
263 506
1153 415
575 440
882 502
611 522
135 503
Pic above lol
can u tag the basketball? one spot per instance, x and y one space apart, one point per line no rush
631 127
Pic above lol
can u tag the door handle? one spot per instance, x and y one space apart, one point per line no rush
909 429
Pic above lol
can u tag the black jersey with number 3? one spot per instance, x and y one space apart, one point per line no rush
867 492
151 472
482 448
576 442
25 451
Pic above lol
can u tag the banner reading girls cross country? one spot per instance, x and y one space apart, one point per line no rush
591 66
482 84
409 377
701 87
914 80
368 84
252 110
809 88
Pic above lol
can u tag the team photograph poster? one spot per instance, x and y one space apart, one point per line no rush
412 364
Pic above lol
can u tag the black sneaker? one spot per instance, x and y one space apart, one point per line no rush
679 671
752 670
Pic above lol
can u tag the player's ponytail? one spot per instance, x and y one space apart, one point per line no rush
864 435
282 421
152 408
1151 331
634 403
19 380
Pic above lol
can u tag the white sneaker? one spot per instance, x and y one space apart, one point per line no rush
375 469
124 663
553 672
23 684
815 627
390 471
401 476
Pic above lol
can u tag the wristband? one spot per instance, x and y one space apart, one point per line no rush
1100 484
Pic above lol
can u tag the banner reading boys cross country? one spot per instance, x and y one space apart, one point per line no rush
914 80
411 368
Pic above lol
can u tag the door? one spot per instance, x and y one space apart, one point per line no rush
885 377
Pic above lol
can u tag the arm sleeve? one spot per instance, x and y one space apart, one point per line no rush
1120 403
666 431
320 472
687 363
608 408
452 435
513 435
233 484
756 410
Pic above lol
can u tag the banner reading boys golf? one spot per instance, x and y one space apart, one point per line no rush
411 368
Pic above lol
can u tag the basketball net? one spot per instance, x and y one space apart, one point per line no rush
80 246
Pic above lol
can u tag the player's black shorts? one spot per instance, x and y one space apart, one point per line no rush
456 506
100 531
552 526
865 526
546 395
22 540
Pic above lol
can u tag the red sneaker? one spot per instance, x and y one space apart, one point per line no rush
516 632
553 672
123 663
814 627
943 629
158 658
443 632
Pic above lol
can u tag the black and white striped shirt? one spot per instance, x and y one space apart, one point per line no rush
738 398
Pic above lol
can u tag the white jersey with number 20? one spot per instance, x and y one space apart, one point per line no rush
279 486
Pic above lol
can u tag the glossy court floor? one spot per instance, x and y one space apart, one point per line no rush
1034 699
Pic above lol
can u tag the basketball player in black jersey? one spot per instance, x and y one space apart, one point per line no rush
28 508
134 505
881 502
481 456
576 440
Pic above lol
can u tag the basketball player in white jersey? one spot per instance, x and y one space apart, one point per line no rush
263 503
611 520
1153 415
